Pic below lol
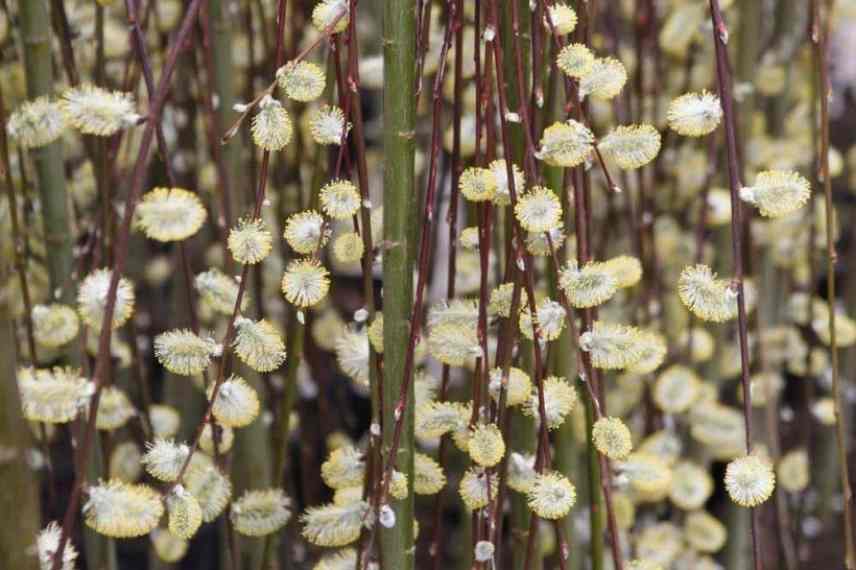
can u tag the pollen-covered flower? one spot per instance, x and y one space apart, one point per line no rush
183 352
125 463
707 297
237 403
47 543
326 13
501 297
588 286
469 238
626 269
168 547
794 471
122 510
345 559
611 437
344 468
334 525
749 480
478 184
611 345
271 127
604 80
165 420
777 193
649 476
340 199
219 291
328 125
551 495
456 312
164 459
305 232
250 241
454 344
375 333
631 146
566 144
691 487
258 344
563 18
92 299
305 282
549 319
226 437
436 419
54 325
477 487
302 81
348 247
575 60
717 426
115 409
543 244
677 389
484 551
694 114
521 472
517 386
652 348
640 564
261 512
211 488
559 400
428 476
36 123
502 196
704 532
96 111
183 513
352 355
170 214
486 446
539 210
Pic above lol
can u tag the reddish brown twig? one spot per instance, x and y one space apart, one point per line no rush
724 87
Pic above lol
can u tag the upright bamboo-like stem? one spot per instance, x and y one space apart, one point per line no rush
819 37
35 23
221 71
724 87
399 114
36 41
20 488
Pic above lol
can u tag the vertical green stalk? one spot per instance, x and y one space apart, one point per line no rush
19 483
251 468
399 112
820 37
35 26
36 42
223 72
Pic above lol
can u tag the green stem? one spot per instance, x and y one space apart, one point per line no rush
36 41
19 483
399 113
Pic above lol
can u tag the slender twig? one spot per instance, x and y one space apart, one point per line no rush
724 87
121 257
819 37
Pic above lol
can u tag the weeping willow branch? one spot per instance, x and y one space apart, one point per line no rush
819 37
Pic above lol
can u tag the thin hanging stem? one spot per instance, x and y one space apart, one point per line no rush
819 38
724 87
